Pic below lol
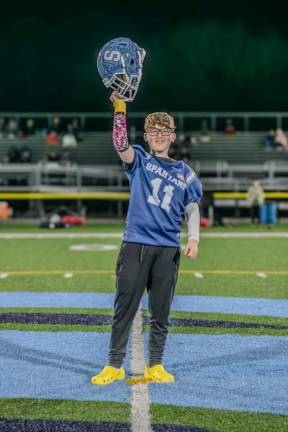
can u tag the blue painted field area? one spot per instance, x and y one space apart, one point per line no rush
229 305
55 365
232 372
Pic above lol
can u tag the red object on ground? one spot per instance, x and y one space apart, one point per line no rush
204 222
73 220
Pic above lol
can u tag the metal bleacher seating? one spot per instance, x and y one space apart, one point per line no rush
242 154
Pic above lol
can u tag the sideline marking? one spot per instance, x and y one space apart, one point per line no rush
111 271
263 234
93 247
140 420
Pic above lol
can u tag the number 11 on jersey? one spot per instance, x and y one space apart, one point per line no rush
168 194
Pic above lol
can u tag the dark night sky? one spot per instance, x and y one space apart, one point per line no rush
206 56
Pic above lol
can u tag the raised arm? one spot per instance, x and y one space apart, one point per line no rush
120 139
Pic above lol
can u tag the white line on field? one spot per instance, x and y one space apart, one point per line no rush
140 416
113 235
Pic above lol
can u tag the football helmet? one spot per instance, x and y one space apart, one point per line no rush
120 64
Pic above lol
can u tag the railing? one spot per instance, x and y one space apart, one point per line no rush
52 177
277 119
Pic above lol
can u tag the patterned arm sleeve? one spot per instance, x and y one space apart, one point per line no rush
120 140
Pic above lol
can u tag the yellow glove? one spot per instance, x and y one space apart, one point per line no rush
119 105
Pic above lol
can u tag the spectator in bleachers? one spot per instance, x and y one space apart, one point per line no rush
255 198
12 128
74 129
204 132
57 125
53 156
13 155
25 154
29 127
52 138
281 139
69 140
185 150
2 127
229 127
269 139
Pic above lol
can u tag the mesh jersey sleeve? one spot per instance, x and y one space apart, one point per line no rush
193 192
139 154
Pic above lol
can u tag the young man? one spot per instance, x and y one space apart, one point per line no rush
162 191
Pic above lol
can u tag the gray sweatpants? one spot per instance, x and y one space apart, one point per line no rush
139 267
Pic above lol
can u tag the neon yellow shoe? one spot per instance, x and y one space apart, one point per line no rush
158 374
108 375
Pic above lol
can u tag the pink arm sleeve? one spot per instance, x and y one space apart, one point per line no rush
120 140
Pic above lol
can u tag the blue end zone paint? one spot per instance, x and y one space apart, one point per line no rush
61 426
81 426
230 372
101 319
56 365
229 305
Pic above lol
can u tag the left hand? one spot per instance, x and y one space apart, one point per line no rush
191 249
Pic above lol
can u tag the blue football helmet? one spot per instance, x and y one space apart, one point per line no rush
120 64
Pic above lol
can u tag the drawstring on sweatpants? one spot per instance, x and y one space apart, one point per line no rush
141 253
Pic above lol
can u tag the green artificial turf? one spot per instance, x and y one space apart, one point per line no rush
95 272
64 410
218 420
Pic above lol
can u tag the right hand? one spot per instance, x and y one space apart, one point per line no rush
114 96
118 102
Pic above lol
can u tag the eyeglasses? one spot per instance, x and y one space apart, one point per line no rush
163 132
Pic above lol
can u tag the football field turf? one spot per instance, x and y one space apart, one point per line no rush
227 346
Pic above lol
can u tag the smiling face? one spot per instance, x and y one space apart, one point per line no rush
159 133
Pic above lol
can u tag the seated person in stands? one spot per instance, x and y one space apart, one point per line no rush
74 129
52 138
25 154
53 156
57 125
204 132
281 140
12 128
185 152
269 139
69 140
2 127
28 128
13 155
229 127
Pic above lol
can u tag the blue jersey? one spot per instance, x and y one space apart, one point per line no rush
159 193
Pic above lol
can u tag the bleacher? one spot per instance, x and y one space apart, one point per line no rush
96 149
241 148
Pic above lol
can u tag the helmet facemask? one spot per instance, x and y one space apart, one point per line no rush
125 86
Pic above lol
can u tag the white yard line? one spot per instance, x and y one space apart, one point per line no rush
112 235
140 416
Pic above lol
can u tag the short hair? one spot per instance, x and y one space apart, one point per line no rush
160 118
